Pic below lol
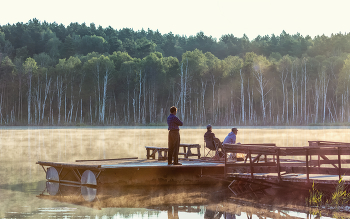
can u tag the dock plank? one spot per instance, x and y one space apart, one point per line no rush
80 165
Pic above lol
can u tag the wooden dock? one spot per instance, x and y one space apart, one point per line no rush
321 163
132 172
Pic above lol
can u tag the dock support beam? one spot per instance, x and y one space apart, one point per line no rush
339 162
251 165
278 165
307 165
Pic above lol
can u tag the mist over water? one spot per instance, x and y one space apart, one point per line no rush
22 180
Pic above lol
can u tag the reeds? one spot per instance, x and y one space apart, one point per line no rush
340 197
316 197
336 201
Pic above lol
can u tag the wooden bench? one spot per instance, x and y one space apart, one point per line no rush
187 152
163 152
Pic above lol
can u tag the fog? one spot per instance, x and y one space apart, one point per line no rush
22 180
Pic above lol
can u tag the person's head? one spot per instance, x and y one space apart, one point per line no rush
234 130
209 127
173 110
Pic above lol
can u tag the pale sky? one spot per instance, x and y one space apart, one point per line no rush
188 17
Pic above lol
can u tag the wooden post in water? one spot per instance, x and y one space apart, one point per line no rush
251 164
307 164
339 162
278 164
225 163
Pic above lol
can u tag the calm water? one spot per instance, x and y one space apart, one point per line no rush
22 181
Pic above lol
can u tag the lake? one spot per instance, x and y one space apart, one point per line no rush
22 181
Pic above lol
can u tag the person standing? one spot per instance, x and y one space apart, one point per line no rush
173 136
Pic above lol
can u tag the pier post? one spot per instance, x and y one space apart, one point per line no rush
251 165
307 164
278 165
339 162
225 164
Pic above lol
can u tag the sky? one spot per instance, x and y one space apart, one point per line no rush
188 17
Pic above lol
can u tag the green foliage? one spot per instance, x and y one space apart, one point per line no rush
344 76
144 70
316 197
232 66
2 40
93 43
30 66
196 62
7 66
340 197
44 60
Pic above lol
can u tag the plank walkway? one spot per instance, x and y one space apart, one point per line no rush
320 162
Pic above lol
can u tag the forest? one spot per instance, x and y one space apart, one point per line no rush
53 75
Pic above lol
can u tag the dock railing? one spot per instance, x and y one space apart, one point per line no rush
282 159
249 150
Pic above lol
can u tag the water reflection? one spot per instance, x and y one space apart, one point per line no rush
174 201
198 201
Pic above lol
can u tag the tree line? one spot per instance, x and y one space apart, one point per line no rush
56 75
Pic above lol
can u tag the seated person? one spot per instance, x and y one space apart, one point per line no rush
231 137
209 136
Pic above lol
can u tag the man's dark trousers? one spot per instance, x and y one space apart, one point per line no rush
173 146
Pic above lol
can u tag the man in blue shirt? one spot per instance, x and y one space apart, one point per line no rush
173 136
231 137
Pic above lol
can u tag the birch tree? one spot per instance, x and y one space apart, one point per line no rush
195 62
242 95
284 66
261 65
293 79
128 72
304 61
59 91
317 98
234 78
343 88
183 86
29 67
203 89
61 68
324 81
1 104
102 68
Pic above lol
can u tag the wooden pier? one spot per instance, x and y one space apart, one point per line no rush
321 162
